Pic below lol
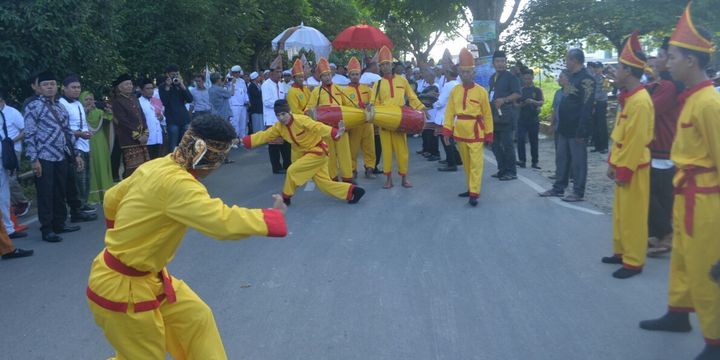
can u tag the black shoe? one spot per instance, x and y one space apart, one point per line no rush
433 158
51 237
281 171
624 273
612 260
67 229
357 194
551 193
286 201
442 162
18 235
521 164
419 152
82 217
711 352
465 194
496 175
507 177
17 253
535 166
426 154
448 168
671 321
473 201
88 209
377 171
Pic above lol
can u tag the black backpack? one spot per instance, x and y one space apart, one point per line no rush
9 159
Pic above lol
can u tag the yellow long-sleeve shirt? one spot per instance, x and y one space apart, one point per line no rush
359 94
148 215
697 142
632 134
393 90
298 97
304 134
468 116
320 96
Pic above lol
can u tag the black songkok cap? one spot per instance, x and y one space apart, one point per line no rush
71 79
46 76
499 54
121 78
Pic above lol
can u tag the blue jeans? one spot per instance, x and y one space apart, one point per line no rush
175 132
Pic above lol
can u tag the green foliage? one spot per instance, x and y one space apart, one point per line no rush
547 27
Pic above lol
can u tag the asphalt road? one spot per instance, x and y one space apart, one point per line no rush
406 274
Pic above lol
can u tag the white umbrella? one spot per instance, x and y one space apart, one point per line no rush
300 37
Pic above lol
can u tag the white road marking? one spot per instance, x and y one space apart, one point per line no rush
537 187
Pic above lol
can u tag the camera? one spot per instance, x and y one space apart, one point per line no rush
175 80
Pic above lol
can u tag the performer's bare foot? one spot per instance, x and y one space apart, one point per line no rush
405 182
388 182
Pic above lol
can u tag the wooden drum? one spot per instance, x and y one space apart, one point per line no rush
396 118
331 115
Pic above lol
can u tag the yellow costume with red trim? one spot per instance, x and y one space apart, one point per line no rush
143 311
696 154
630 157
306 137
298 95
393 90
339 149
468 119
364 136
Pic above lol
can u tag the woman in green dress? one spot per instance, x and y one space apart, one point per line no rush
100 123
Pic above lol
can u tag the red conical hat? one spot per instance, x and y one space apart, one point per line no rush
467 61
354 65
297 68
384 55
323 66
686 35
632 46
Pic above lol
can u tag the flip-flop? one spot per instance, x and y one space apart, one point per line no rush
406 185
386 186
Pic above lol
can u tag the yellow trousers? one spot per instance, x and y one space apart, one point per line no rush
339 154
630 214
363 138
311 166
185 329
394 142
471 155
691 287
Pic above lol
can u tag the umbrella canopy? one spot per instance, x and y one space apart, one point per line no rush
361 37
301 37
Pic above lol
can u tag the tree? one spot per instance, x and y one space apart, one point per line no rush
546 28
415 26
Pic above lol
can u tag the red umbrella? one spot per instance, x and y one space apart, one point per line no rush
361 37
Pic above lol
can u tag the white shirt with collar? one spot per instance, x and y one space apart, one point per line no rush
78 122
15 124
368 78
441 104
153 124
240 97
340 80
271 92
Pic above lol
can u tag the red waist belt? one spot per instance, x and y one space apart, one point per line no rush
115 264
687 186
477 119
323 146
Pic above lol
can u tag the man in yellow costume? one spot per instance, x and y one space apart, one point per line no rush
629 163
393 90
330 94
299 94
362 137
143 311
306 137
696 154
468 119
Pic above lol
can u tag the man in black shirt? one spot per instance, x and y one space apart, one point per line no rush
256 103
529 124
504 90
574 127
174 95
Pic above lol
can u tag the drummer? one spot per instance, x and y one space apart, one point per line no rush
392 90
364 136
330 94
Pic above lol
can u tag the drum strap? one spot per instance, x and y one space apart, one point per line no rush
329 94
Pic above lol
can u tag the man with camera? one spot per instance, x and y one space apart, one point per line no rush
174 95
